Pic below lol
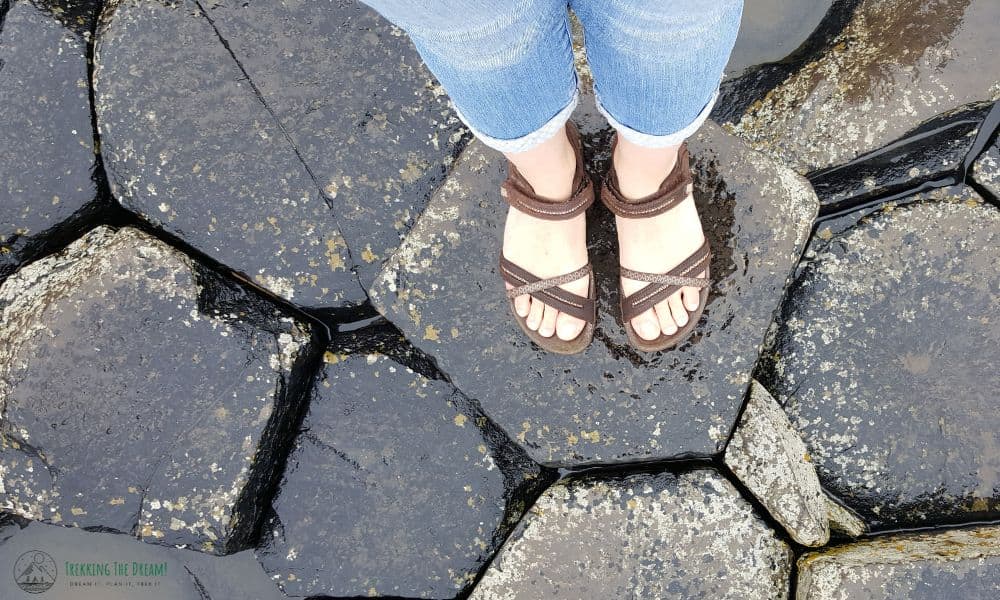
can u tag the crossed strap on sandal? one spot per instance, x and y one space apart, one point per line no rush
519 194
672 191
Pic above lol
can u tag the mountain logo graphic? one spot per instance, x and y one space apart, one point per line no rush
35 571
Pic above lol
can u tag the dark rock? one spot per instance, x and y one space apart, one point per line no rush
640 536
318 145
830 228
609 404
189 145
143 394
398 486
897 64
358 104
949 564
47 192
151 572
986 170
884 358
772 29
935 150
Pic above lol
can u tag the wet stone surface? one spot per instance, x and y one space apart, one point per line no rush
986 170
359 106
772 29
769 457
397 486
46 189
935 150
609 404
951 564
143 394
163 573
301 164
897 64
219 174
640 536
884 359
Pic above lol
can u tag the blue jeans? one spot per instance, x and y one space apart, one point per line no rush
508 64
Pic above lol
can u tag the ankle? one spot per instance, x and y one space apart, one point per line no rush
549 168
641 171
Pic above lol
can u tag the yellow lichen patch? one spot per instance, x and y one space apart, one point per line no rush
632 503
332 358
77 511
431 333
591 436
221 413
824 234
454 332
368 255
116 501
572 439
460 420
336 261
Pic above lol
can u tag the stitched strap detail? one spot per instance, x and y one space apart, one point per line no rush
662 286
547 290
518 192
673 190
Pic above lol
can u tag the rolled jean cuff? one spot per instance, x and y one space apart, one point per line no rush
659 141
526 142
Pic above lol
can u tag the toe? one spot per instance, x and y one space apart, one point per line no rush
568 327
677 310
535 315
692 298
521 304
646 325
548 326
665 318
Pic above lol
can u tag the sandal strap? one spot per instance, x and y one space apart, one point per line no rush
662 286
673 190
518 192
548 291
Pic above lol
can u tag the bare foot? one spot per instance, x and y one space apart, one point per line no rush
548 248
659 243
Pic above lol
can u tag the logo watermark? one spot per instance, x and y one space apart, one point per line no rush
35 571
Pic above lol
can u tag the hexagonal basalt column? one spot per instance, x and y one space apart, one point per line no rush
931 566
142 393
611 403
640 536
885 360
47 188
397 486
294 142
896 64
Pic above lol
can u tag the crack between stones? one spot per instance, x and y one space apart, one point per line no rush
288 138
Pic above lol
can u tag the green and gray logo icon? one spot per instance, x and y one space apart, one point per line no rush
35 571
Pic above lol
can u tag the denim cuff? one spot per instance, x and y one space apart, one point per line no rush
659 141
526 142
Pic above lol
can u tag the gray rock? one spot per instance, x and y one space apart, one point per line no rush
609 404
986 169
949 564
150 572
884 358
640 536
843 520
359 105
896 64
46 191
769 457
142 393
772 29
189 146
398 486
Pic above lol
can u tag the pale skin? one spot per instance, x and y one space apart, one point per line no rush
551 248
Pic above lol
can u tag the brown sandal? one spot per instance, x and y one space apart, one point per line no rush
674 189
519 193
